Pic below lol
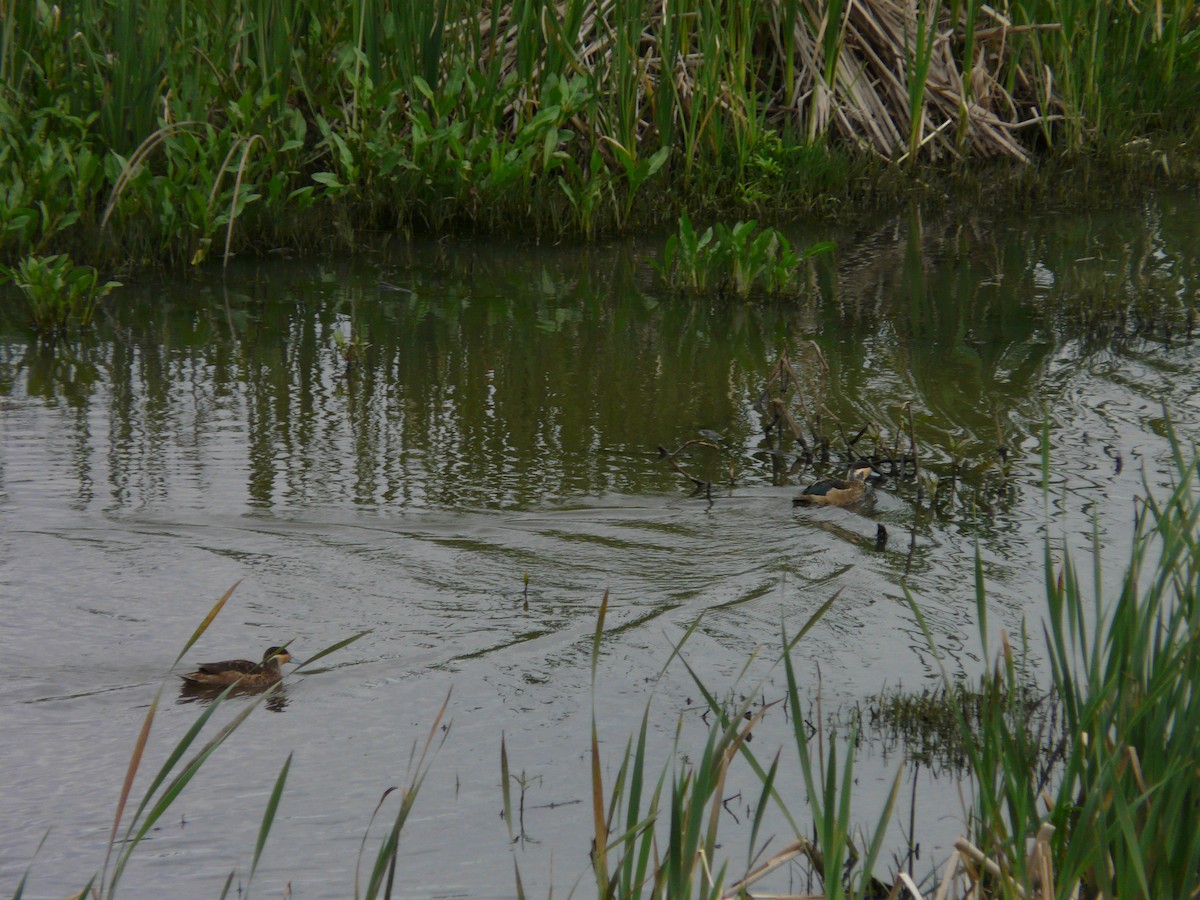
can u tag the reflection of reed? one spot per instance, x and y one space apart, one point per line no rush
504 377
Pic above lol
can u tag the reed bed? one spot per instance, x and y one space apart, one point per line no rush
146 132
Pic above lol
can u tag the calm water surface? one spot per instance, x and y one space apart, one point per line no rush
501 419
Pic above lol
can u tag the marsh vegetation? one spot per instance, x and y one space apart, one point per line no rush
147 132
441 425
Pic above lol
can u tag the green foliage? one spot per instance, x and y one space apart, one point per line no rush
631 857
1121 807
844 870
658 836
58 292
250 123
731 261
1121 69
50 174
918 57
382 880
1127 673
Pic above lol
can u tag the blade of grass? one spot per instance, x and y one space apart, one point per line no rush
505 789
140 744
20 891
384 871
208 620
268 819
332 648
177 785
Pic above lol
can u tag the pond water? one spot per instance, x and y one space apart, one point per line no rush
455 446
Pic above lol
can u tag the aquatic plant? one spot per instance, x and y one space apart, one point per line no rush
927 720
382 879
731 260
58 292
1115 820
657 835
661 841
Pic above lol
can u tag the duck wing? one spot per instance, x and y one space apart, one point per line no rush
243 666
821 488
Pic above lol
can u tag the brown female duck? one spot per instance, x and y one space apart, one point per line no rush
242 672
835 491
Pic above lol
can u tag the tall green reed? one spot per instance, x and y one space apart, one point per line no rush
658 834
1127 669
382 880
396 114
662 841
918 56
1117 67
125 45
1116 819
845 871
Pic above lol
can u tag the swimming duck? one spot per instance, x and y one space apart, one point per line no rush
835 491
242 672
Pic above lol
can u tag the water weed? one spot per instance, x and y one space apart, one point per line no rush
731 260
57 292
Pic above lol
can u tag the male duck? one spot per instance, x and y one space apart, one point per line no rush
835 491
242 672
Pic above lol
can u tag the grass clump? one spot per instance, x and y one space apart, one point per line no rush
1117 817
658 835
57 292
731 260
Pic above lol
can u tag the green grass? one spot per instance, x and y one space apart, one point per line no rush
1115 817
142 132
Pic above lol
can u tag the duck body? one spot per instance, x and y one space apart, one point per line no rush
241 672
836 491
